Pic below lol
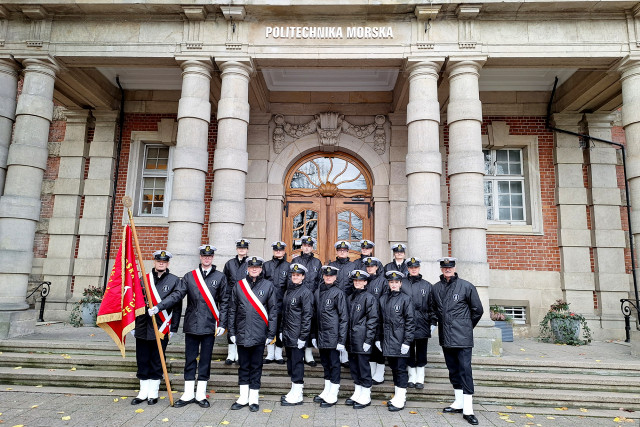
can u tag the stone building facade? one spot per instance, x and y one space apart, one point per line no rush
397 122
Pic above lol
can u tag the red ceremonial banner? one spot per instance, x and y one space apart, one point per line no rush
123 299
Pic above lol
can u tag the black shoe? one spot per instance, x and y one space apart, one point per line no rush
237 406
345 365
411 385
204 403
349 402
228 362
377 382
326 404
152 401
471 419
313 363
267 361
137 401
285 403
419 386
280 361
318 399
282 398
450 410
254 407
393 408
357 405
180 403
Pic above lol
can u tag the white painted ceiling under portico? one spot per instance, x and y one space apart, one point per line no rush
522 79
168 78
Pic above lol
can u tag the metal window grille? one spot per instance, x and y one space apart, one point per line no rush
517 313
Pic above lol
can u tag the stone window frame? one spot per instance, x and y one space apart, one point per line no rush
139 139
498 138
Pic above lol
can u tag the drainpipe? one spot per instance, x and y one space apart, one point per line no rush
617 145
115 183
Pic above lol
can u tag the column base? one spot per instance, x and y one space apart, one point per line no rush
487 341
17 323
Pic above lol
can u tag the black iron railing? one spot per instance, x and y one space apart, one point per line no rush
627 306
43 293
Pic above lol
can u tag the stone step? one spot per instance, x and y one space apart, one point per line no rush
275 385
436 374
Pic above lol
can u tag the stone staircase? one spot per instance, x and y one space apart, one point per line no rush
541 382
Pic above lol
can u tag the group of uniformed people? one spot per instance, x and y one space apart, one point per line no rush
356 313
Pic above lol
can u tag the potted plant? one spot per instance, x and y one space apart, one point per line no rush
564 326
502 321
85 310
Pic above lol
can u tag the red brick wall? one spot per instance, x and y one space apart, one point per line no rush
153 238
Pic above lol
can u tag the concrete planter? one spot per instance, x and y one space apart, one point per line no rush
565 329
89 313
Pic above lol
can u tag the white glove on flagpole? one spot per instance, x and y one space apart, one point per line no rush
378 345
153 311
404 349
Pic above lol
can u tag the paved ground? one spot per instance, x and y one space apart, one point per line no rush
30 406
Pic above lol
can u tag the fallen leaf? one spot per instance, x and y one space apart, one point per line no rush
165 420
598 361
502 413
305 416
412 412
583 410
39 386
19 425
51 370
92 335
123 397
66 418
34 406
111 391
162 397
627 410
225 422
139 411
522 349
504 417
66 356
9 388
564 408
510 421
18 367
266 411
528 415
61 412
384 402
551 418
509 407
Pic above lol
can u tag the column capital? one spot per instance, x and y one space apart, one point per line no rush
629 66
47 66
105 115
240 66
601 120
197 66
76 115
423 68
566 119
465 64
9 66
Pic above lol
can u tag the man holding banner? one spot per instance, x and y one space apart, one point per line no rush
204 319
253 320
161 284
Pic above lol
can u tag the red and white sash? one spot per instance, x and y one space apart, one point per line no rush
204 291
253 299
165 315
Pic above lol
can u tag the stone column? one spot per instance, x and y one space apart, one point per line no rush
397 195
20 203
230 160
607 237
8 91
424 167
630 77
93 227
574 237
63 225
190 165
467 212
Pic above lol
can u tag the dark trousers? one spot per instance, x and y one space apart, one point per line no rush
458 362
278 342
376 355
295 364
194 346
398 367
360 369
250 365
418 353
148 358
330 359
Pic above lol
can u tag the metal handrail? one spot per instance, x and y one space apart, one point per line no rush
46 286
625 306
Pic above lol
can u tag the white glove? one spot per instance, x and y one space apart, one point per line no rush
300 344
433 328
314 343
133 333
340 347
153 311
404 349
366 347
220 331
280 336
232 339
378 345
170 335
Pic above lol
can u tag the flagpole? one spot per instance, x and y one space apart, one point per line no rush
128 203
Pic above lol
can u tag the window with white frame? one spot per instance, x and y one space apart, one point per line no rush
154 180
517 313
504 186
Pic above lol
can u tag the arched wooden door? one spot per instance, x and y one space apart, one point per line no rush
328 196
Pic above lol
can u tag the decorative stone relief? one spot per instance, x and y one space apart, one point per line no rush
329 126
